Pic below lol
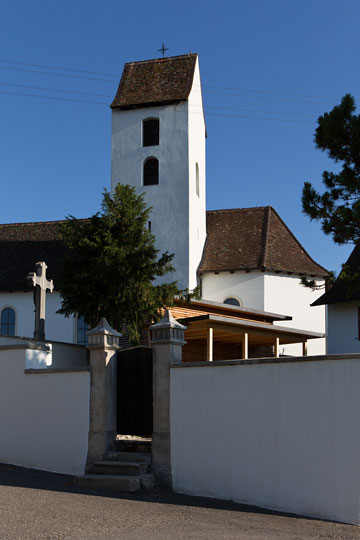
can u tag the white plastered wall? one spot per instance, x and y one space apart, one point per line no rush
57 327
248 288
169 199
44 418
284 294
280 435
276 293
197 203
343 328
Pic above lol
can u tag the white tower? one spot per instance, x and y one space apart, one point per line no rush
158 146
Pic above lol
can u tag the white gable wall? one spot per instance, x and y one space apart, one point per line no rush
57 327
276 293
284 294
248 288
343 328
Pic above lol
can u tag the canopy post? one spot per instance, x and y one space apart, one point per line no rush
245 346
210 344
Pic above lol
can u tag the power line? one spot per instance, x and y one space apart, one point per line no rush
61 68
191 112
58 74
55 90
204 85
53 97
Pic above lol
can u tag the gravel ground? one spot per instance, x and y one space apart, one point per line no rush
39 505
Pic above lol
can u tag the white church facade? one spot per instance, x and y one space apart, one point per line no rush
246 257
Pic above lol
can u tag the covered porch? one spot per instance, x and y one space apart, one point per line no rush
215 337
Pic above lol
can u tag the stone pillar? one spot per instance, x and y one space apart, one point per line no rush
167 338
103 342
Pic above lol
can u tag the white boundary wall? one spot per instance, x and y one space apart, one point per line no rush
44 416
283 435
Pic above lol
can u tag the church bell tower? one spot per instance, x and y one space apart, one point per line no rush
158 146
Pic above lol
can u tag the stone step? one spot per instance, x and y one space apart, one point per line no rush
129 445
125 484
122 468
127 456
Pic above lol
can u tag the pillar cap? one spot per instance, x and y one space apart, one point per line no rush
168 321
103 336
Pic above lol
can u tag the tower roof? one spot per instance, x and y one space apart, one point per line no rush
254 239
155 82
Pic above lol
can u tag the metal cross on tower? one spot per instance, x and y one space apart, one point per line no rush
163 49
41 284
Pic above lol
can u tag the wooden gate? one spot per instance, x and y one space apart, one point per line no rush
134 392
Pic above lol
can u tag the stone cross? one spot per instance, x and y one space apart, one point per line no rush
42 284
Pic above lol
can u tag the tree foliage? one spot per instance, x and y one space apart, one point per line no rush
111 264
338 208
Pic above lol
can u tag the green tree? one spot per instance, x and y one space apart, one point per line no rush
338 208
111 263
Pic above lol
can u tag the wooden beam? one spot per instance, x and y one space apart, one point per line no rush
210 345
245 346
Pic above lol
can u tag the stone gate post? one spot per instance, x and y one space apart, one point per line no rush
167 338
103 342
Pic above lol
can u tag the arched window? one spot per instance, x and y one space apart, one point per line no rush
197 180
7 322
81 329
151 132
151 172
232 301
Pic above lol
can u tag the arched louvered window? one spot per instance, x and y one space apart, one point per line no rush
232 301
151 132
151 172
7 322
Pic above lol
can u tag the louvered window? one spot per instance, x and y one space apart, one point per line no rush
151 172
151 132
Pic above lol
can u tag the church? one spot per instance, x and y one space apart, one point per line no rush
241 257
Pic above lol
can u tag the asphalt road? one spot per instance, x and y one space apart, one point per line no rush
38 505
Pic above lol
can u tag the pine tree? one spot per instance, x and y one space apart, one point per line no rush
111 263
338 208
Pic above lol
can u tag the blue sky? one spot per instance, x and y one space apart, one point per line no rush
268 69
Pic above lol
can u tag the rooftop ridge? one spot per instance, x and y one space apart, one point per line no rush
166 58
238 209
53 222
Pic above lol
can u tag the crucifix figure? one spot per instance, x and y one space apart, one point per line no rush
163 49
41 284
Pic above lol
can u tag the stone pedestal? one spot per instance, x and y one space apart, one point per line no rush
167 338
103 343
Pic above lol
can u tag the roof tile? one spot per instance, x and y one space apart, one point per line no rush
155 82
253 239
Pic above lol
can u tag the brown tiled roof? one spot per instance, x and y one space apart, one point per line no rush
253 239
24 244
340 290
155 82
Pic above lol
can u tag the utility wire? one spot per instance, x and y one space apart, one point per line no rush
58 74
61 68
111 96
203 85
191 112
55 90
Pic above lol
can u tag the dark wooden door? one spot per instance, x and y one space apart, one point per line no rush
134 392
